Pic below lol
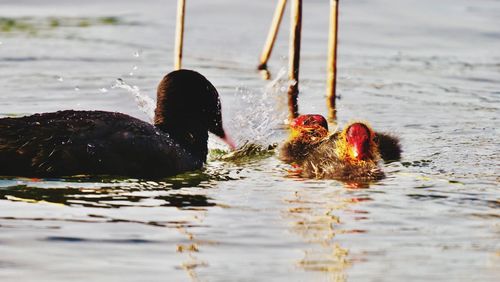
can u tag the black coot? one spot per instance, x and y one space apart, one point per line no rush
67 143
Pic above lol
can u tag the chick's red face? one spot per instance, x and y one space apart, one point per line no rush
358 138
309 128
309 121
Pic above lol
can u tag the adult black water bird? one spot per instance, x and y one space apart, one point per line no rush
67 143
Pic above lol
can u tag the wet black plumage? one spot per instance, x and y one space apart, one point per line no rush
389 146
69 143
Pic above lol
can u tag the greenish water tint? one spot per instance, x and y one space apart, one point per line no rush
33 25
425 71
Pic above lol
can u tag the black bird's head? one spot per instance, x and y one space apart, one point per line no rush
188 106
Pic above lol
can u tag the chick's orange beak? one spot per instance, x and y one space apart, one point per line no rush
360 151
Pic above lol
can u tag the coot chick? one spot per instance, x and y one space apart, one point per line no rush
351 154
306 133
67 143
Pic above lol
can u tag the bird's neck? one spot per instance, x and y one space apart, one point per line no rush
193 141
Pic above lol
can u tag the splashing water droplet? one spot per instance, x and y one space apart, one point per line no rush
137 53
131 74
103 90
77 88
59 78
145 103
266 112
135 68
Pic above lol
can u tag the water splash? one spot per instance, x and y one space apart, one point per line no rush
131 73
263 111
266 111
145 103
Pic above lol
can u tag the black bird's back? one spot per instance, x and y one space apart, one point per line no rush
69 143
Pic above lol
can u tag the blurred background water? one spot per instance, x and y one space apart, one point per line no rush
428 71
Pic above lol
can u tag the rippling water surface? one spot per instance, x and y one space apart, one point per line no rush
428 71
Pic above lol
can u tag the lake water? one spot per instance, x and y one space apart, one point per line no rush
428 71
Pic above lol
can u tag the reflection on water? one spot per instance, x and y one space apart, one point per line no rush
315 217
315 220
103 193
186 192
104 197
114 193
